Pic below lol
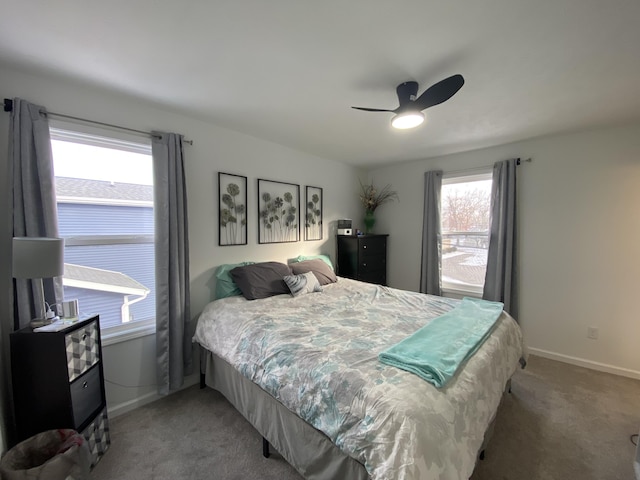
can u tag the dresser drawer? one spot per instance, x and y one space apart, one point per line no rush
373 246
372 264
86 396
379 277
83 349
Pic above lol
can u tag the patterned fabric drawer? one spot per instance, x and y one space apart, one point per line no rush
83 350
97 436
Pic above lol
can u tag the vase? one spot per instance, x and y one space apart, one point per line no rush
369 221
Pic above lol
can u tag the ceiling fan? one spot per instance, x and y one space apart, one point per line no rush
409 113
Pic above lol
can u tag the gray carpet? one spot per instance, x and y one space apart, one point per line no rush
560 422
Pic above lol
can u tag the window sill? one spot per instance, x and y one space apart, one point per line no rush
123 333
459 292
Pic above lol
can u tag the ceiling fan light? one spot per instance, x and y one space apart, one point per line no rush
407 120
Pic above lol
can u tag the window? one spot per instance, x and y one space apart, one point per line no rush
104 193
465 214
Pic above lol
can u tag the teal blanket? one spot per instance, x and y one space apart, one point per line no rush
436 351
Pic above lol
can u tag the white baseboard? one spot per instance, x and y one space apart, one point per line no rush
124 407
581 362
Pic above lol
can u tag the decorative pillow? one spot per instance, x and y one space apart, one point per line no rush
225 286
261 280
301 284
302 258
320 269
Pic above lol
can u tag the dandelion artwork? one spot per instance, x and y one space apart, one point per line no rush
278 211
313 214
232 227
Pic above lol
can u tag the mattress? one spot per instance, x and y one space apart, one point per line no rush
316 355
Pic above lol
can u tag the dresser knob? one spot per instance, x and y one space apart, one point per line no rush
364 246
85 385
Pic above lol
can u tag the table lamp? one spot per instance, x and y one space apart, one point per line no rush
36 258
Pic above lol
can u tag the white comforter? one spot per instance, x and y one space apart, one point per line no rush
317 354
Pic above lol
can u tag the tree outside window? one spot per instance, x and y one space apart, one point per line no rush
465 216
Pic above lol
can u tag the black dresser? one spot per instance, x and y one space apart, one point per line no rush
58 382
363 258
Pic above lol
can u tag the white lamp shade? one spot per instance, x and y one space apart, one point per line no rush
408 119
38 257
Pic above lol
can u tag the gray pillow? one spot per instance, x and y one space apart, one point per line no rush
225 286
303 283
261 280
302 258
320 269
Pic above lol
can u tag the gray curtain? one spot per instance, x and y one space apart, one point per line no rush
431 264
501 281
33 205
173 322
34 200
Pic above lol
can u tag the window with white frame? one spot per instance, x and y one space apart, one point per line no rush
465 215
104 193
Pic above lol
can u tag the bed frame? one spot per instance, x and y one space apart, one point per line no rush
306 449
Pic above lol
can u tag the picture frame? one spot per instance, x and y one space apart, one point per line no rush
278 212
232 209
313 225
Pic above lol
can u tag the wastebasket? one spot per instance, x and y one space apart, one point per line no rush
52 455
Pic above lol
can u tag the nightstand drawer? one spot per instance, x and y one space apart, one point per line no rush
83 349
86 396
97 436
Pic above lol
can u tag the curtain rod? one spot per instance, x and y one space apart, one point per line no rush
483 167
8 107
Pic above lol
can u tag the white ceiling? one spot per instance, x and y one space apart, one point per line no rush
289 70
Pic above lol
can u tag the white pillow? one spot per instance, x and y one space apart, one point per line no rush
303 283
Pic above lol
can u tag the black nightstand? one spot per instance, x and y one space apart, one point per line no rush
58 382
363 258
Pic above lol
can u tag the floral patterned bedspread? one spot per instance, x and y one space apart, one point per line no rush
317 354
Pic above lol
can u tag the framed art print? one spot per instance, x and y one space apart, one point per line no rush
232 203
278 212
313 213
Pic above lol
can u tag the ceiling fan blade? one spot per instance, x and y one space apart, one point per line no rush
372 109
407 92
440 92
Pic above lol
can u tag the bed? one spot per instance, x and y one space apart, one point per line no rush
304 371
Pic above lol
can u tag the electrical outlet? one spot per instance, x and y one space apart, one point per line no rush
592 333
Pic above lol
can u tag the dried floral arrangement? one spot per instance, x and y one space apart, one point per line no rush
372 198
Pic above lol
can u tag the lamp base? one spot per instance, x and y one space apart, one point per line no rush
41 322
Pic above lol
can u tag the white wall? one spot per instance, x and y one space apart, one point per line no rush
579 240
579 224
129 366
